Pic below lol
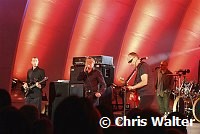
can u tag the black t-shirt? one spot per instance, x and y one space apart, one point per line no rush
144 68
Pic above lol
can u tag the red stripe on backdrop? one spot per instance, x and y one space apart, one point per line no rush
99 29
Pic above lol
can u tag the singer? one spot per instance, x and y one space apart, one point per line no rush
143 83
94 83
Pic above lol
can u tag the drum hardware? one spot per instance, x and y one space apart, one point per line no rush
117 92
182 71
196 109
186 96
189 106
183 105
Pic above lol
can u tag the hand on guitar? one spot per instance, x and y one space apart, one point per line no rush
25 85
130 88
37 84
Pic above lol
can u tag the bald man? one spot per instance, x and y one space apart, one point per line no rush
164 84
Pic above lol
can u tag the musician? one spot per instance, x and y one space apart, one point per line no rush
34 76
94 83
164 84
143 83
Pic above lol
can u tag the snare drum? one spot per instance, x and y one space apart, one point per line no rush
196 109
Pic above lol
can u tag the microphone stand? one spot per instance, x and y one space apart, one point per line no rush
124 91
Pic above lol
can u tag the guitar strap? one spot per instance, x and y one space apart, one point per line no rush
131 75
139 66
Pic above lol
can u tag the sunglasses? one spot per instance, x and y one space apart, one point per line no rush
130 60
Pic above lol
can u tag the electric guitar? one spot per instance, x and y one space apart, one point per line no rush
133 94
28 89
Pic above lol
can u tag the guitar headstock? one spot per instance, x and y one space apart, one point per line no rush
45 78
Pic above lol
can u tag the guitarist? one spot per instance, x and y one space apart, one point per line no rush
143 83
34 75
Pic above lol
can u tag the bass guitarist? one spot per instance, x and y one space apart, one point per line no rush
143 83
34 75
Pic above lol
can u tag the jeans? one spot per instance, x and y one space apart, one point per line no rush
146 101
163 103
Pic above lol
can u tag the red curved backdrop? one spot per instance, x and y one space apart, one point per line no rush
56 31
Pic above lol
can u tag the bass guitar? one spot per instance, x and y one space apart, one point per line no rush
134 97
28 89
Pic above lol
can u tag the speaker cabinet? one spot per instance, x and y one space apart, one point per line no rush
77 90
105 99
57 92
106 70
74 72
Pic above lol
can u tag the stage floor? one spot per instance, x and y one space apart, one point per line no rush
195 129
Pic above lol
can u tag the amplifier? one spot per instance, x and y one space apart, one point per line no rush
58 91
101 59
106 70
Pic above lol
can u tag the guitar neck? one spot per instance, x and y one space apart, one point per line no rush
32 86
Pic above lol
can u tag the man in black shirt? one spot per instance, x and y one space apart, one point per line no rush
94 83
143 83
34 76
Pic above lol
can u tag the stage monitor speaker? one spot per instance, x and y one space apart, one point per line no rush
57 92
76 90
106 70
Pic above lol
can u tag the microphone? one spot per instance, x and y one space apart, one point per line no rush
183 71
143 58
86 69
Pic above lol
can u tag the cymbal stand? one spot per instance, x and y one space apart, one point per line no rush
124 102
179 88
180 85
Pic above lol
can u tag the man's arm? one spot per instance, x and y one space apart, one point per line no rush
142 83
102 83
25 84
82 76
43 84
171 82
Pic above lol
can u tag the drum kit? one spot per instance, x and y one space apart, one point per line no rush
186 97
